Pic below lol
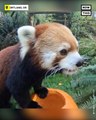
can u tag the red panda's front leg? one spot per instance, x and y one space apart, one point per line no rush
22 97
42 92
25 101
19 87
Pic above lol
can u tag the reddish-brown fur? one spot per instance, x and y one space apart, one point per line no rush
55 33
48 35
8 58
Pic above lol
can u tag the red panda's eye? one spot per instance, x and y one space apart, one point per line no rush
63 52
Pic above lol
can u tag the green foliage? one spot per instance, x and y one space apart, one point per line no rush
9 24
42 18
62 18
88 49
81 26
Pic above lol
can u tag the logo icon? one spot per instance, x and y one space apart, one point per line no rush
7 7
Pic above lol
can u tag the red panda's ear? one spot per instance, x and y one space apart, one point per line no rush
40 29
26 35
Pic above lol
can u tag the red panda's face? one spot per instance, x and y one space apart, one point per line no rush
55 46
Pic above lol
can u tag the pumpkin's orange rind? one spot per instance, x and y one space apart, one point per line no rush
56 99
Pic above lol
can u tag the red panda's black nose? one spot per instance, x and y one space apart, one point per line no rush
80 63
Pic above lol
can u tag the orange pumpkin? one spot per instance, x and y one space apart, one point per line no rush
57 105
56 99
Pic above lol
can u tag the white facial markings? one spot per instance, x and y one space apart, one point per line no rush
25 35
70 61
48 59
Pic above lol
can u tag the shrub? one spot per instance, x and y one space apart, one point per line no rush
9 24
81 26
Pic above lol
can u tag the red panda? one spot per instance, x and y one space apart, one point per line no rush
41 49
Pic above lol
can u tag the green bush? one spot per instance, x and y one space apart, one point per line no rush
81 26
9 24
88 49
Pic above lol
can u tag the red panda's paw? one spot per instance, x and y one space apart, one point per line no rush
42 92
33 104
